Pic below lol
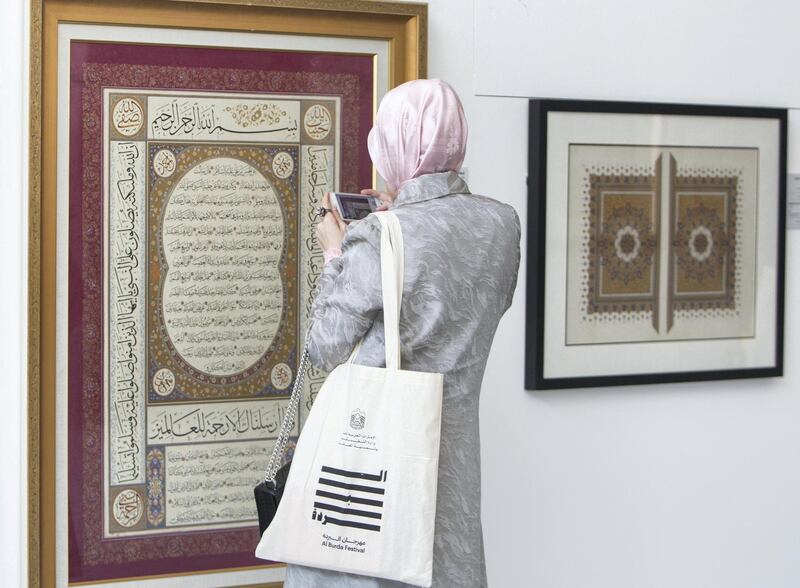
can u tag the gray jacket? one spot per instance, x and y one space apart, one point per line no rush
461 260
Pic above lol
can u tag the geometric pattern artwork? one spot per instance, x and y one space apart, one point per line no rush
658 242
702 270
624 212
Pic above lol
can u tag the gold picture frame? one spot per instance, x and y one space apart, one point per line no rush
402 25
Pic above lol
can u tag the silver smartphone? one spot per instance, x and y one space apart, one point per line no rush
353 206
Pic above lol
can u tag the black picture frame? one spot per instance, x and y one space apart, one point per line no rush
540 111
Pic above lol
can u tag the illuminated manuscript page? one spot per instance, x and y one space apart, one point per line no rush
209 269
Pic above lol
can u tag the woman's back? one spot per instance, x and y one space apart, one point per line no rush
461 261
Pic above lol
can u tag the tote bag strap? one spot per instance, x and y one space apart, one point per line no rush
392 285
392 260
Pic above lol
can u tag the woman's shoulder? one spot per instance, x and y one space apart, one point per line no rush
488 205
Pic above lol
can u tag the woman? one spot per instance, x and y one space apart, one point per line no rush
461 261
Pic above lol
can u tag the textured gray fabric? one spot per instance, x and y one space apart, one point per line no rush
461 261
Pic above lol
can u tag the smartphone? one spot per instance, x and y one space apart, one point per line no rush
353 206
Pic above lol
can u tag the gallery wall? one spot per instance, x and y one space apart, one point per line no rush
691 485
651 50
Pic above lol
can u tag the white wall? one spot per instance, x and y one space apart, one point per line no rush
726 51
690 485
687 485
12 297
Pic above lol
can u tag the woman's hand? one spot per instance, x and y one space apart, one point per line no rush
331 229
385 197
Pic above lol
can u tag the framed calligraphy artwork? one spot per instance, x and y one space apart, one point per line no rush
178 152
656 243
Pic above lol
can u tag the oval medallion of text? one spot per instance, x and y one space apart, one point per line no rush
223 238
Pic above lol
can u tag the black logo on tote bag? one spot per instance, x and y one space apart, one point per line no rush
350 499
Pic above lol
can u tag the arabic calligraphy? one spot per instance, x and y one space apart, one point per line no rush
126 311
283 165
127 117
226 421
164 163
318 178
210 119
208 277
128 508
223 236
164 382
281 376
317 122
213 483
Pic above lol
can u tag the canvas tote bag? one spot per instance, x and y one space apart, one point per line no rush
361 493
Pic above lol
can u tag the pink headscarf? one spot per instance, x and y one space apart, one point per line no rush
420 129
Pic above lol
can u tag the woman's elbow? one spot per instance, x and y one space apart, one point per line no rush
323 355
324 350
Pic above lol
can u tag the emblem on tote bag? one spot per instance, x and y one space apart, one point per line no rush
357 419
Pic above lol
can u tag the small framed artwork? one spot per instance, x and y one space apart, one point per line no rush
656 243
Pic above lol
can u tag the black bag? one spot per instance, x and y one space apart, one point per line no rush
268 496
269 492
